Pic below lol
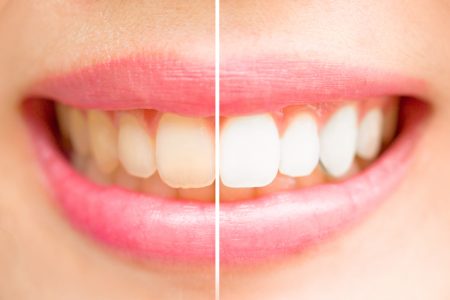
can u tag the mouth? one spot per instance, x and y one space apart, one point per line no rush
305 151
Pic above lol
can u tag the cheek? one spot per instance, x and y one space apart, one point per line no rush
430 173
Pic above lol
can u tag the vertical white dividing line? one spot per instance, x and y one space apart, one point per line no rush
217 156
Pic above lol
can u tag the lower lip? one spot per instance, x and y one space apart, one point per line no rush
250 232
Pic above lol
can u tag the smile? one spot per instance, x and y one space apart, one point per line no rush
306 150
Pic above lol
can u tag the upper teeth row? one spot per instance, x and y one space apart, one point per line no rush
252 151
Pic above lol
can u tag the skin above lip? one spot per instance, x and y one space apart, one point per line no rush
183 231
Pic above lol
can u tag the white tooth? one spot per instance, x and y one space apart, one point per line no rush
338 141
78 132
185 151
103 141
300 147
136 149
369 135
250 151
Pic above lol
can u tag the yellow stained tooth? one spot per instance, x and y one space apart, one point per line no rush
136 148
78 131
185 151
103 141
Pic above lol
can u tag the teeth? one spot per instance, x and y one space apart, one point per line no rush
62 112
300 147
185 151
136 149
78 132
369 136
172 156
390 122
250 151
103 141
338 141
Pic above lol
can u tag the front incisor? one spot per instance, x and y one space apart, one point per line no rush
185 151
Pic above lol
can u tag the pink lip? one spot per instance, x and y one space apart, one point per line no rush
263 85
181 231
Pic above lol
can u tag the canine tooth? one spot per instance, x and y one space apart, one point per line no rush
300 146
370 134
136 148
185 151
103 140
338 141
250 151
155 186
78 131
390 122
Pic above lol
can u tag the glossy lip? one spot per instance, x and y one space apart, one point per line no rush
252 231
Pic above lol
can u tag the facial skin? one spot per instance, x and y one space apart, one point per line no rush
41 255
399 252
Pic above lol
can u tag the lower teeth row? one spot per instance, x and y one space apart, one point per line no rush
173 156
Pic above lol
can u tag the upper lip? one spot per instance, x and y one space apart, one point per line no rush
246 86
177 230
